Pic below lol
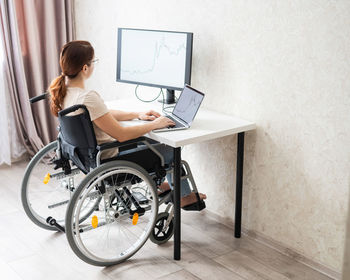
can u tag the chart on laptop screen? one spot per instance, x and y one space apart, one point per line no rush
188 104
161 58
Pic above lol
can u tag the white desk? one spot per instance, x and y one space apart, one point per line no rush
207 125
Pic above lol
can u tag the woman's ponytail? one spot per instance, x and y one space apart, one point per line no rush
74 55
58 92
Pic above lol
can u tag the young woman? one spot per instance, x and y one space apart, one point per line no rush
77 63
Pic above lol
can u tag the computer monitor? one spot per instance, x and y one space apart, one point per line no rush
155 58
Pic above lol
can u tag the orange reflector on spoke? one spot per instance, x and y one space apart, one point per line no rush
135 218
94 221
47 178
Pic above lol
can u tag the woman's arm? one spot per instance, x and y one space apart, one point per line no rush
123 116
126 116
111 126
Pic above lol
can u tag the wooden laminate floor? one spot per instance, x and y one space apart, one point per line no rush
209 250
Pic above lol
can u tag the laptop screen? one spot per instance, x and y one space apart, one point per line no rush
188 104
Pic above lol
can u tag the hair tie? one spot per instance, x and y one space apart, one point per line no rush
62 74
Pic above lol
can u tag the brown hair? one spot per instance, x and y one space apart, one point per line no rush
74 55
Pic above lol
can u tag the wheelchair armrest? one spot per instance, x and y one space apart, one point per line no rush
116 144
39 97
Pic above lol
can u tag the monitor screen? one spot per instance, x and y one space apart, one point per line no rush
154 58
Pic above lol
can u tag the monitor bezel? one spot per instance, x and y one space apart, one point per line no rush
188 69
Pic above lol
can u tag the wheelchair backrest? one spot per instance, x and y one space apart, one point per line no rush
77 137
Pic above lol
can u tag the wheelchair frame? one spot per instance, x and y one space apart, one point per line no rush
157 176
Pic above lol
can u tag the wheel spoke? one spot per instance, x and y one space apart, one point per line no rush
122 236
45 190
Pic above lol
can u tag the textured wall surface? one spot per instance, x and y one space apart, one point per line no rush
282 64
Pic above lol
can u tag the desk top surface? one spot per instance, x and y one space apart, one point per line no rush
207 124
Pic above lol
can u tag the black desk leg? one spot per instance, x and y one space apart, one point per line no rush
239 183
177 209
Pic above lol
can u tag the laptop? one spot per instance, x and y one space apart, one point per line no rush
185 109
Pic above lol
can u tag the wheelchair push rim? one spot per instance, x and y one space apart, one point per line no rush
112 233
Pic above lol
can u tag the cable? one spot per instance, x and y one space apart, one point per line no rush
165 109
147 101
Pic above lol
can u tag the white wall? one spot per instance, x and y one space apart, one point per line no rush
285 66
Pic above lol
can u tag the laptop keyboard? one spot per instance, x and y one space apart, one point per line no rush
177 123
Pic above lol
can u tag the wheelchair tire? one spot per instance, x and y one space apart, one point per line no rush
41 200
159 237
114 233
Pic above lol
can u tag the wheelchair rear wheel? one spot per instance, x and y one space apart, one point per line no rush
125 216
45 191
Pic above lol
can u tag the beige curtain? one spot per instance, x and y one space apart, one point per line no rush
33 33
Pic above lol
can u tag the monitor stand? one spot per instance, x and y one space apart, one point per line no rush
169 97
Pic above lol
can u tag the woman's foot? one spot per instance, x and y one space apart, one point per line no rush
186 200
163 187
191 198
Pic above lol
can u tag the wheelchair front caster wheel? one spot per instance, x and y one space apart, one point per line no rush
160 234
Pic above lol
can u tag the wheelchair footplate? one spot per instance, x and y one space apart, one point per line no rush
199 205
136 199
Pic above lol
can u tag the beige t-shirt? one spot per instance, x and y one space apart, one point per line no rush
96 107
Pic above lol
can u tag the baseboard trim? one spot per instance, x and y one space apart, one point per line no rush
23 157
259 237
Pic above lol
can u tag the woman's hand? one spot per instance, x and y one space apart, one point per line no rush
162 122
148 116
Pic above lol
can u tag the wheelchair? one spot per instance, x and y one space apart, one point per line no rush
108 208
